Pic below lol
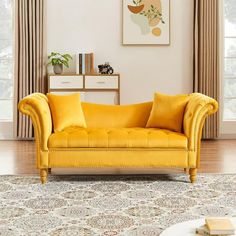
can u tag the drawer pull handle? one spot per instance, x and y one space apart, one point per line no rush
101 82
65 82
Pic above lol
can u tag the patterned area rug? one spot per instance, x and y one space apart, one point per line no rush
110 205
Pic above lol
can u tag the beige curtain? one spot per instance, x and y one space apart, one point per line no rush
29 58
206 57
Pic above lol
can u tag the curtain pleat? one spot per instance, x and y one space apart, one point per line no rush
29 58
206 57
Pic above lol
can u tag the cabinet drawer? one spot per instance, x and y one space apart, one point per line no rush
101 82
65 82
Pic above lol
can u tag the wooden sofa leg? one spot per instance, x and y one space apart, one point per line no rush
193 174
43 175
49 170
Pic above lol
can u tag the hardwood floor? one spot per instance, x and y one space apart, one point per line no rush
18 157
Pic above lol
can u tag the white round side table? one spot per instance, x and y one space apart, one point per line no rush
187 228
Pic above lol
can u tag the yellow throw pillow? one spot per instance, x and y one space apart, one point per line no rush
167 112
66 111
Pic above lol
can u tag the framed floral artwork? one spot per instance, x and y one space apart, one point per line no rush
146 22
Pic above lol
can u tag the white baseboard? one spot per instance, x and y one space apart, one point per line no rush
227 136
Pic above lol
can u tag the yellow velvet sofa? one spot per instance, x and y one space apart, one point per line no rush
116 136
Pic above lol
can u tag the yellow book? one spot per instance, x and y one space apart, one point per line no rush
220 226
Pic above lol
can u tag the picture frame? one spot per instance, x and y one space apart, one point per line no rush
146 22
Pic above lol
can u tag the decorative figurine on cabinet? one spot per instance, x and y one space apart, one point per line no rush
105 69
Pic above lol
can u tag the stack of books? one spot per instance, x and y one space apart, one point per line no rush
84 63
216 227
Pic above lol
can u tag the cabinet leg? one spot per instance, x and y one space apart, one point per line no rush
43 175
193 174
49 170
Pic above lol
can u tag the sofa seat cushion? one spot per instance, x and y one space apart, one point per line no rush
117 138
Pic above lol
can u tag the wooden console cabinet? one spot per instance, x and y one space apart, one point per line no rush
95 88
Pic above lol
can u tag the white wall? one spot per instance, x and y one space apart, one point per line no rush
6 130
96 25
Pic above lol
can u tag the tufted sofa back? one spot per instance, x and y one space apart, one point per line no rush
112 116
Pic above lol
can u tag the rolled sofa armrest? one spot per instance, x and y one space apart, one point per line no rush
36 106
197 109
